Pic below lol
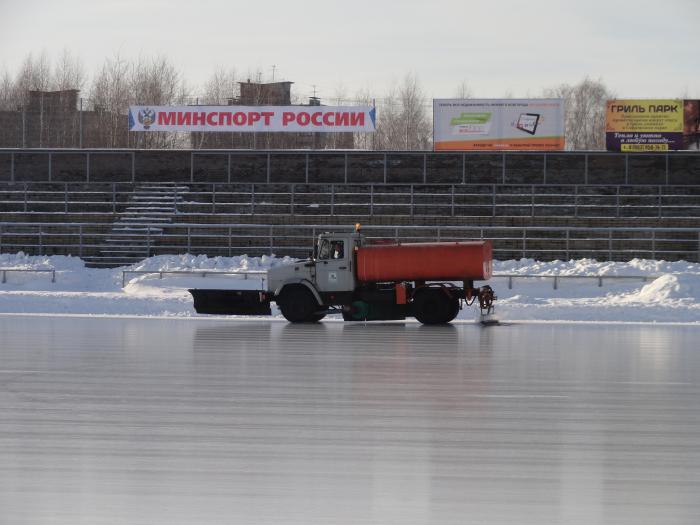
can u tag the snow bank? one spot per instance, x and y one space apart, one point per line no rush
667 288
640 267
673 295
55 262
186 262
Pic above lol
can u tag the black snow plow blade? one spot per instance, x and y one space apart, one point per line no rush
230 302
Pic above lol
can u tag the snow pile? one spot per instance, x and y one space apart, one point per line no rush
665 289
670 294
187 262
42 262
592 267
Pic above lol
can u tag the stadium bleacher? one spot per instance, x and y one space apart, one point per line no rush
114 207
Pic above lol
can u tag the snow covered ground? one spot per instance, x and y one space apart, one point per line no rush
671 294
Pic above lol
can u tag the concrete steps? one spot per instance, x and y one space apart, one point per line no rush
138 227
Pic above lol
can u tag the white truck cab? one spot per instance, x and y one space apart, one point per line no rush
334 262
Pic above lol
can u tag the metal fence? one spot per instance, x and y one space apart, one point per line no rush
5 271
511 278
443 200
345 167
261 275
544 243
244 275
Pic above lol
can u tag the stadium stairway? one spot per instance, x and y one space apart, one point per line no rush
137 228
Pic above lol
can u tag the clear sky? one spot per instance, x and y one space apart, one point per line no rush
639 49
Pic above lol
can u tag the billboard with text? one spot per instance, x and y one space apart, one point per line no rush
498 124
644 125
652 125
250 119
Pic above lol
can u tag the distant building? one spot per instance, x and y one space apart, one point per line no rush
270 94
50 119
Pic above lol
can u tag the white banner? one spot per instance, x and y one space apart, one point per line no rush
498 124
247 119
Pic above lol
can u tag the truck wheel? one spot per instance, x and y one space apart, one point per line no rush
298 305
434 306
454 309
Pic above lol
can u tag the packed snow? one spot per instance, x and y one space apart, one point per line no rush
652 291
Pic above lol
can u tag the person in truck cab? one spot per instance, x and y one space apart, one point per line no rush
337 250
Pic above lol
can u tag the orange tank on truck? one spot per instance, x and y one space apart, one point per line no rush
430 261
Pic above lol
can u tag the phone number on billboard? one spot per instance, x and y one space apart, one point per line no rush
644 147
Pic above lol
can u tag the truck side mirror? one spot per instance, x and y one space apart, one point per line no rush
314 253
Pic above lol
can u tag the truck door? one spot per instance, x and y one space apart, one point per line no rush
334 266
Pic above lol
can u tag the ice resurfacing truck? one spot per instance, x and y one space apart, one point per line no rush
368 282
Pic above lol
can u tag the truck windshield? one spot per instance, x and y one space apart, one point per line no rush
324 250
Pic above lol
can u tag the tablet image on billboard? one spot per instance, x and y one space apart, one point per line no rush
527 122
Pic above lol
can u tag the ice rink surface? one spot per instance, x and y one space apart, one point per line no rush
157 421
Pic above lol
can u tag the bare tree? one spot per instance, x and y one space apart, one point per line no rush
110 99
6 92
339 140
463 90
157 82
388 134
404 123
10 130
34 75
69 73
584 113
120 84
362 140
220 89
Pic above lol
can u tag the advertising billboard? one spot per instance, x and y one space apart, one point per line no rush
644 125
498 124
247 119
691 124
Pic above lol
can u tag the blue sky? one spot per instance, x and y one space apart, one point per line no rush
640 49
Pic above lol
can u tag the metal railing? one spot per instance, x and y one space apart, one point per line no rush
262 275
4 272
556 278
545 243
352 166
199 273
400 200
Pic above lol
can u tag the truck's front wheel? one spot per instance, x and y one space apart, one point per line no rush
298 305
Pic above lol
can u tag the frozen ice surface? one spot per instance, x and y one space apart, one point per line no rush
197 421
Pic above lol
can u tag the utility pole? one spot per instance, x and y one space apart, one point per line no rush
80 123
41 117
24 127
374 135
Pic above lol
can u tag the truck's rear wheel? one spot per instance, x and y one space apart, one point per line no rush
298 305
455 309
435 306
